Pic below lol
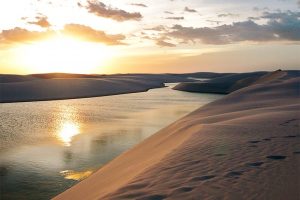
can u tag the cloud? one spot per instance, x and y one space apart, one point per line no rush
102 10
175 18
20 35
168 12
214 21
228 15
257 9
288 15
23 35
279 27
42 21
253 18
90 34
187 9
162 43
157 28
139 4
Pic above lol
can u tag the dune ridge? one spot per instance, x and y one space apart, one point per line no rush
232 82
58 86
30 88
243 146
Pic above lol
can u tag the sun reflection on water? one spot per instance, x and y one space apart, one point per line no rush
77 176
67 132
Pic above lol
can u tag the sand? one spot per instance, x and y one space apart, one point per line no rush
14 88
243 146
56 86
232 82
10 78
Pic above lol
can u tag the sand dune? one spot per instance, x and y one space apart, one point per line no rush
272 76
243 146
222 85
50 87
208 75
10 78
232 82
55 86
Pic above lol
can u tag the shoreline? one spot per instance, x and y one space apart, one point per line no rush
131 173
79 97
69 88
61 86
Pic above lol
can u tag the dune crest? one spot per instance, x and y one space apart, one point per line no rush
232 82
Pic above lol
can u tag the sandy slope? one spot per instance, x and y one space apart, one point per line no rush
244 146
232 82
223 85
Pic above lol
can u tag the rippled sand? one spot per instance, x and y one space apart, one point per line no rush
244 146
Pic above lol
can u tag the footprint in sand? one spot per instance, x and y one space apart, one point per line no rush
253 146
255 164
183 189
267 139
220 154
153 197
276 157
254 141
288 122
203 178
234 174
290 136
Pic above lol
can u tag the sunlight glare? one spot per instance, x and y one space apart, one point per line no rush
63 54
77 176
67 132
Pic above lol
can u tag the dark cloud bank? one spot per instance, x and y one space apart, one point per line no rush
280 26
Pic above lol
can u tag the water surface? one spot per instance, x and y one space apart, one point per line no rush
46 147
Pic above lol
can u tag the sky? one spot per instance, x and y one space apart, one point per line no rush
148 36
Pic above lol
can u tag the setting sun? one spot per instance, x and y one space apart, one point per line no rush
63 54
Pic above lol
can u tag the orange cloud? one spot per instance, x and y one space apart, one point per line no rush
42 21
80 31
90 34
23 35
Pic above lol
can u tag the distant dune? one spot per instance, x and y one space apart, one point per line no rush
14 88
10 78
232 82
243 146
184 75
55 86
222 85
63 75
207 75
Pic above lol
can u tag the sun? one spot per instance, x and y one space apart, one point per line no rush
63 54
